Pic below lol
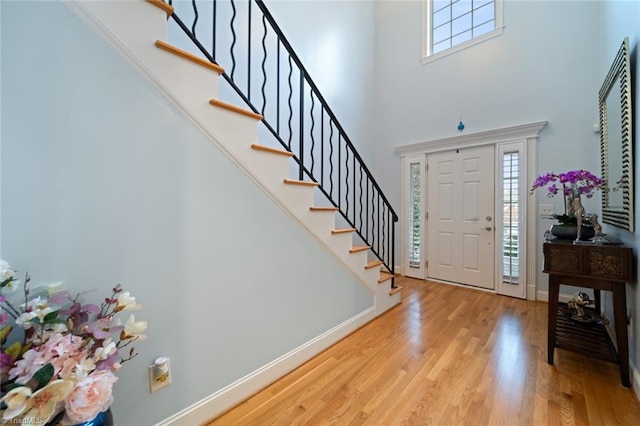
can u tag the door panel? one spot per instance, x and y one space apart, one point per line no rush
461 229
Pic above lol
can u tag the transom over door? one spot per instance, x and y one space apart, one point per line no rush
460 224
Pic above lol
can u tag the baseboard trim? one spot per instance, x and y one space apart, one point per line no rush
635 381
543 296
229 396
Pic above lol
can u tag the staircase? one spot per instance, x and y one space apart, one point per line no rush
139 30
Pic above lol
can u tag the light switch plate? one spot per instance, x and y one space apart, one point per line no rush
546 209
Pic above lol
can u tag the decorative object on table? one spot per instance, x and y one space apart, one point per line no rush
63 367
573 185
593 218
576 310
578 302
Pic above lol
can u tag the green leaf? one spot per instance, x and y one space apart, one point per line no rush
14 350
4 333
50 316
43 376
8 387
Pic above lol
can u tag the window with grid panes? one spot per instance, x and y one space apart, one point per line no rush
458 23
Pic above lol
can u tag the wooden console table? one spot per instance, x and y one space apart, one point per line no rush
599 267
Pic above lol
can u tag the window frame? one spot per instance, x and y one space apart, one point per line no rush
427 42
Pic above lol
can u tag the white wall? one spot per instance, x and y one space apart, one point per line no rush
104 182
545 66
622 19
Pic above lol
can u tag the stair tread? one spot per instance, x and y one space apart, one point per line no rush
300 182
234 108
162 5
384 277
357 249
323 209
373 264
264 148
395 290
343 230
188 56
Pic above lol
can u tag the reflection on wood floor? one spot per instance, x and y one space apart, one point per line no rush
446 355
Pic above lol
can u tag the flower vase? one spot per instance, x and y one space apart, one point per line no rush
570 232
104 418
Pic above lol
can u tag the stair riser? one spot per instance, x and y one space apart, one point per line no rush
383 301
297 197
185 78
267 167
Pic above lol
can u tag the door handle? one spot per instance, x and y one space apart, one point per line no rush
488 228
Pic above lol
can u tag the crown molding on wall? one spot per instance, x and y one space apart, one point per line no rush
489 137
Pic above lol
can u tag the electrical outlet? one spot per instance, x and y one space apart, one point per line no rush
546 209
159 374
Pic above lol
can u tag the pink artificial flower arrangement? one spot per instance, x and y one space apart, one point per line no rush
64 365
583 181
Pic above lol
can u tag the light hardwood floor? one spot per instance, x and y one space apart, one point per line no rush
445 356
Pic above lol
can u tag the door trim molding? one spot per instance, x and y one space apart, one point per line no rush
527 132
489 137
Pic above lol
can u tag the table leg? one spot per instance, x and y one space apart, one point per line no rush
620 318
554 290
597 297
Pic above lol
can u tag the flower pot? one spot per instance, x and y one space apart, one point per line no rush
104 418
569 232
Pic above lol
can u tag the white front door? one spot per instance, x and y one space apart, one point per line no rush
460 211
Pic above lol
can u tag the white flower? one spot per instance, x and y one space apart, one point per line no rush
24 320
16 400
57 328
84 367
135 329
127 303
55 288
10 287
5 271
42 403
108 348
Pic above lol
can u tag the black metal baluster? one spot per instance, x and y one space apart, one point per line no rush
213 29
339 170
366 202
233 40
289 102
331 158
378 221
249 52
361 190
346 182
383 231
373 219
301 130
278 86
313 139
354 191
195 19
321 146
264 60
393 250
